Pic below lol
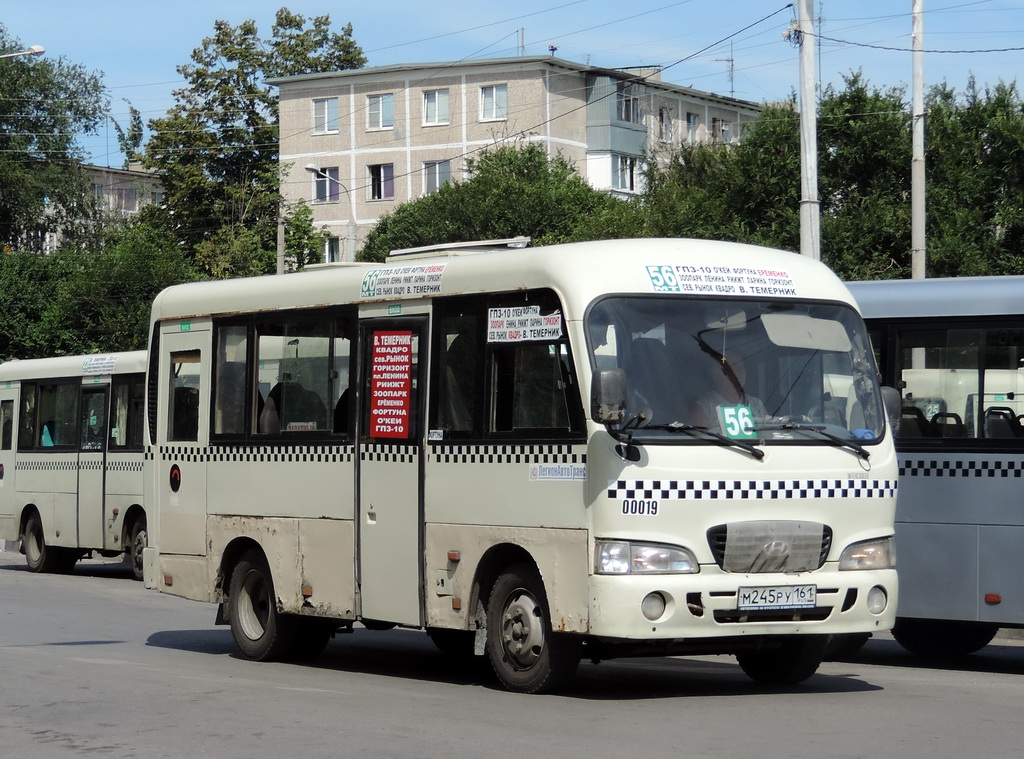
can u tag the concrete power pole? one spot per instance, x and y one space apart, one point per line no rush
810 207
917 177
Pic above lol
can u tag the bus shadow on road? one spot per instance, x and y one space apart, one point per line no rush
410 655
995 658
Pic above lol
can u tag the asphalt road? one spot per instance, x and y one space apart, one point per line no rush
91 664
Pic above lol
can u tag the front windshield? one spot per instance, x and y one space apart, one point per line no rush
754 370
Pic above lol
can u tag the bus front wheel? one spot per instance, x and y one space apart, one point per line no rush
797 658
260 632
525 654
139 540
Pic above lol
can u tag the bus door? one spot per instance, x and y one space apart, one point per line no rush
390 475
8 441
92 460
182 435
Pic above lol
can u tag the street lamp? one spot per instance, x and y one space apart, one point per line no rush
316 171
34 50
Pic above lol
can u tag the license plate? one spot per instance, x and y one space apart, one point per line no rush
778 597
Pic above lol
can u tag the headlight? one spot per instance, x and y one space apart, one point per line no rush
870 554
622 558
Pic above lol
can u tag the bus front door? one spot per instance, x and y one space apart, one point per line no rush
8 441
390 508
92 454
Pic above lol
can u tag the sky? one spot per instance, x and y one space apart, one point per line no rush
734 47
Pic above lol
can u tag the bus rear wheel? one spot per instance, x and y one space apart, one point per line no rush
525 654
260 632
942 638
797 658
43 558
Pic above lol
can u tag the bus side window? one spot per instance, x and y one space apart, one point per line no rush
229 380
183 414
27 420
460 376
6 425
530 387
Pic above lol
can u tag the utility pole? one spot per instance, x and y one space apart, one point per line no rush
810 207
917 175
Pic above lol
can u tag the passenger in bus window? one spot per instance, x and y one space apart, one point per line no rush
727 376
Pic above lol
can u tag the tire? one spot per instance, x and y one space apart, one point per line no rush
794 661
845 646
942 639
41 557
524 653
261 633
454 643
139 540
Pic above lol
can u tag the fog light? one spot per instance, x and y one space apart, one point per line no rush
877 600
653 606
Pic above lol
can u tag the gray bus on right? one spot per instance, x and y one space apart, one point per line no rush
955 350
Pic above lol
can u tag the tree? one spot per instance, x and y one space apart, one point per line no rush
217 147
86 300
44 104
512 191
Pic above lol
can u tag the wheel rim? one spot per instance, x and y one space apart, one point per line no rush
253 605
140 542
33 544
522 630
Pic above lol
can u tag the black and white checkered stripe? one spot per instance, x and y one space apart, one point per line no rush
258 454
749 489
46 465
396 454
933 468
124 466
506 454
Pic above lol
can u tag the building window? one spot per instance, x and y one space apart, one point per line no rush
435 174
665 124
721 132
494 102
435 107
382 111
624 172
325 115
692 123
326 187
382 181
332 250
627 103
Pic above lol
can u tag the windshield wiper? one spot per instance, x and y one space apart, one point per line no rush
693 429
859 449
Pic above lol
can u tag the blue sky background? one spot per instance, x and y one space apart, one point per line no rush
136 46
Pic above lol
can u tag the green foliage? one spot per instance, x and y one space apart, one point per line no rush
304 245
45 103
218 146
129 139
511 191
85 301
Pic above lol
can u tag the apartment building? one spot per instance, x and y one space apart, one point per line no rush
118 192
355 144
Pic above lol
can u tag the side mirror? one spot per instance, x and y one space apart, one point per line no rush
893 406
608 396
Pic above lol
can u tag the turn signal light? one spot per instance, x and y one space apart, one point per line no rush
993 598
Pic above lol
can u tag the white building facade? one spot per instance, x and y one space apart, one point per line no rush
355 144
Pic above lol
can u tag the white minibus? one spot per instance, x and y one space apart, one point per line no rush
71 453
602 449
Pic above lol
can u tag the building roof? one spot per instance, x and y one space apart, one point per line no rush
651 78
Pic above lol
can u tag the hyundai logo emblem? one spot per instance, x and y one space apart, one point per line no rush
776 548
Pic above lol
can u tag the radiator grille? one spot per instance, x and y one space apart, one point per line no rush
770 546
